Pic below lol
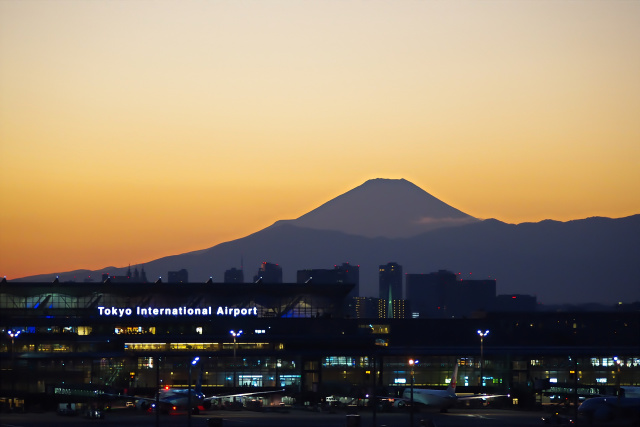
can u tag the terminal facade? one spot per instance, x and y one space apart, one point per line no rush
74 341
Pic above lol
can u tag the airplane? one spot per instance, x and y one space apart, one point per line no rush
172 400
608 408
177 399
435 398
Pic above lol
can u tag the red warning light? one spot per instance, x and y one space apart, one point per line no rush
166 387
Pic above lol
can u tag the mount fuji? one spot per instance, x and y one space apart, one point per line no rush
384 208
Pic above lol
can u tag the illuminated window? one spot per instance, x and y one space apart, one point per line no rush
60 348
380 329
134 330
84 330
145 363
363 362
250 380
339 361
145 346
286 380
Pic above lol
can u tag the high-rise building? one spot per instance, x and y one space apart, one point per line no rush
180 276
366 307
427 292
268 273
345 273
396 309
390 285
400 308
350 274
442 295
233 275
128 277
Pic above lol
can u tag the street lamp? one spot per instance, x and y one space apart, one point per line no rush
193 363
618 364
482 335
13 335
412 363
235 334
235 368
157 362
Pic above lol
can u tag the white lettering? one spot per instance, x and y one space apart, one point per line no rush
178 311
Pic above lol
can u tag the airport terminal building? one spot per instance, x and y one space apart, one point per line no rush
65 342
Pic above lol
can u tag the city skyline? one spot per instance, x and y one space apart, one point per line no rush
132 131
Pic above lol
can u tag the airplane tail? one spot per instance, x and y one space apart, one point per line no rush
454 380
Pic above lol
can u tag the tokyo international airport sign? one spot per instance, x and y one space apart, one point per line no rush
176 311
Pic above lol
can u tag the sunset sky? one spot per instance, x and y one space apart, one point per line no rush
131 130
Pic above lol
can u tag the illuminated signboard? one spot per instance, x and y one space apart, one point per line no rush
176 311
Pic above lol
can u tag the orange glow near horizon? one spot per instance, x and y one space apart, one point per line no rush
135 130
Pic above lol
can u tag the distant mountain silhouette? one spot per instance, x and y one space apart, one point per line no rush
576 262
384 208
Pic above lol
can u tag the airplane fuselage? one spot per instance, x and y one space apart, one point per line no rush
180 397
441 399
607 408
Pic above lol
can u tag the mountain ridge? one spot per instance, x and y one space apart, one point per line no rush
560 262
574 272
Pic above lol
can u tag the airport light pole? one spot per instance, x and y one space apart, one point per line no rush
195 361
412 363
482 335
13 335
157 391
235 368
